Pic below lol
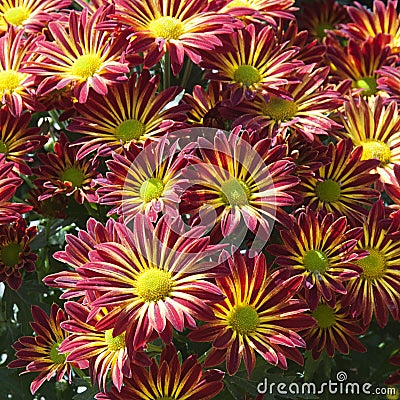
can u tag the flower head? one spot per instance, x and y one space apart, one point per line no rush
258 315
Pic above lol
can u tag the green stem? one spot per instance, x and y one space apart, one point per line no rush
166 71
186 73
204 356
79 372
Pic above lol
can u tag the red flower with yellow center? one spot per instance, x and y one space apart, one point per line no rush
40 353
259 315
130 113
252 61
377 289
155 280
336 329
376 128
169 379
81 56
321 249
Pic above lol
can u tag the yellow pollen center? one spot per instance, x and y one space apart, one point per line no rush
239 3
235 193
9 254
151 189
247 74
328 190
86 66
279 109
167 28
153 285
73 175
316 261
369 85
131 129
243 319
3 147
16 15
114 343
320 29
55 356
374 265
325 316
376 149
9 80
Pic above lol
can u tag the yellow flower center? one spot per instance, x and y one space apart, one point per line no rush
86 66
325 316
320 29
315 261
376 149
9 80
55 356
114 343
3 147
73 175
166 398
151 189
167 28
9 254
16 15
279 109
369 85
243 319
247 74
235 193
374 265
154 284
131 129
328 190
239 3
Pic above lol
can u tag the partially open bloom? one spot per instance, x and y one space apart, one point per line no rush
155 280
39 353
258 315
170 378
376 128
62 172
15 253
252 62
130 113
53 207
307 113
81 56
179 28
336 329
233 181
343 186
17 140
144 181
377 289
320 249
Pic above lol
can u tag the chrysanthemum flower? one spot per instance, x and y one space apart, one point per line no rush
31 15
39 353
172 26
336 329
154 281
358 62
82 56
377 129
307 114
394 379
62 172
17 140
259 10
389 81
258 316
76 254
105 353
383 19
54 207
377 289
169 379
342 187
144 181
17 88
15 253
130 113
320 249
233 181
251 62
319 16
